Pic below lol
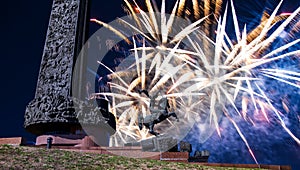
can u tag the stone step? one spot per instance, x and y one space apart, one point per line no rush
12 141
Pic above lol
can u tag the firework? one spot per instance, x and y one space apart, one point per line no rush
206 75
154 68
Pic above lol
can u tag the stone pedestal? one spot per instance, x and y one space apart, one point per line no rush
87 141
61 140
159 144
81 141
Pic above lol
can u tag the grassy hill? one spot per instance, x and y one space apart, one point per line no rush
18 157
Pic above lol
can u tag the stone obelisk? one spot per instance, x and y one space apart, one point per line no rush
52 110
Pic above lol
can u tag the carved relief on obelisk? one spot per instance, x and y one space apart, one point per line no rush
52 108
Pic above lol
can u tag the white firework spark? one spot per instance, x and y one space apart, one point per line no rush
227 71
156 63
132 75
205 80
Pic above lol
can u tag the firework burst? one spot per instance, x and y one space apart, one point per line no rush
205 74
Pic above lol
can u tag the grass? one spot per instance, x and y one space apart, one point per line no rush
19 157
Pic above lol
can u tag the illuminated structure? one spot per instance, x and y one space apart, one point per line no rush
53 110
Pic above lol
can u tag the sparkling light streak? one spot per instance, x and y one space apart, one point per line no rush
206 75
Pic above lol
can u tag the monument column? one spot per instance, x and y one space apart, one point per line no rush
52 108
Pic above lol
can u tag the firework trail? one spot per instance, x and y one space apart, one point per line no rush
154 68
206 75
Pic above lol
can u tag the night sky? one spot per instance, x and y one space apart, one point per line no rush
23 30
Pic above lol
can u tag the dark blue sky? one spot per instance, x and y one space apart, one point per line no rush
23 30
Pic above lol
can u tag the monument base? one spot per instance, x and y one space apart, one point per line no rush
136 152
67 140
130 151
